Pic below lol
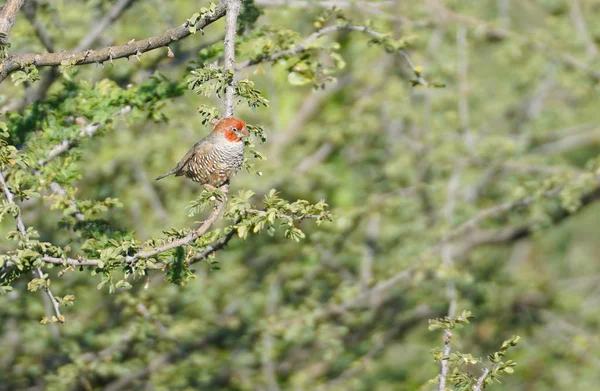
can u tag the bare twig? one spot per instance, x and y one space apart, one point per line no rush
582 30
8 14
150 253
369 252
23 232
569 142
132 48
503 12
448 263
30 11
309 108
479 385
233 9
87 131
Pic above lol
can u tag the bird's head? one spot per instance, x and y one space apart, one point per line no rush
233 129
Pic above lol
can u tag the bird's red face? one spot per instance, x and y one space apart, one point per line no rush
232 128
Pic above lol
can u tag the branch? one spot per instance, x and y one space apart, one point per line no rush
8 14
23 232
149 253
581 27
304 46
479 385
132 48
448 263
30 11
233 9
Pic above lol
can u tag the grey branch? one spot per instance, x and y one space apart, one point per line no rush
8 14
149 253
448 263
233 9
23 232
30 11
578 20
479 385
132 48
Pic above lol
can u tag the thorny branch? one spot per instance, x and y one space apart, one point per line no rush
133 48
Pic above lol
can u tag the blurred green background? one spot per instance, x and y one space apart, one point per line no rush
400 166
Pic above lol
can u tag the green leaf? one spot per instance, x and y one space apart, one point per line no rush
298 79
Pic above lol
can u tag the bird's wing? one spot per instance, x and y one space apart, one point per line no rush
202 147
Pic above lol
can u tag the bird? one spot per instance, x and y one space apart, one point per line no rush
216 158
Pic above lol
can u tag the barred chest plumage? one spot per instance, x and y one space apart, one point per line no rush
217 164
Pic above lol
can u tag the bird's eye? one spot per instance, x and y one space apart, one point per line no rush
235 130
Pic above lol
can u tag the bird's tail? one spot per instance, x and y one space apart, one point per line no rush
165 174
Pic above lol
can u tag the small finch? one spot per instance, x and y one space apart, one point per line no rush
217 157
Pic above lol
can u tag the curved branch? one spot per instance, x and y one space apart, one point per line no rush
23 231
132 48
149 253
8 14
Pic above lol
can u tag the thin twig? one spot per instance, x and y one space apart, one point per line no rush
30 11
448 263
479 385
97 29
23 232
578 20
152 252
233 9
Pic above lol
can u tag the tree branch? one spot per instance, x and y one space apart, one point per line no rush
23 232
30 11
149 253
304 46
132 48
8 14
233 9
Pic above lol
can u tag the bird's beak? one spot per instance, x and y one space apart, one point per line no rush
245 131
